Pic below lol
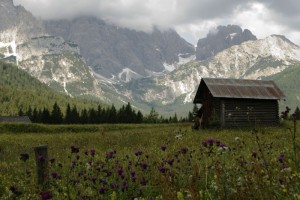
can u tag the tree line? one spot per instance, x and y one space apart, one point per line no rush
100 115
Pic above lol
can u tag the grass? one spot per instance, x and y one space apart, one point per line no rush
152 161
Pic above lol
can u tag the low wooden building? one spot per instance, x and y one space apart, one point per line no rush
238 102
15 119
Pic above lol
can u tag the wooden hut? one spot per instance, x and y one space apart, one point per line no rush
238 102
15 119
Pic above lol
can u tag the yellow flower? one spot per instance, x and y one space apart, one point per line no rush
284 190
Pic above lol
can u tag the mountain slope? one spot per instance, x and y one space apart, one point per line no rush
252 60
221 38
19 90
59 64
110 49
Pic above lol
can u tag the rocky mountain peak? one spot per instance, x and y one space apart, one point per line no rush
221 38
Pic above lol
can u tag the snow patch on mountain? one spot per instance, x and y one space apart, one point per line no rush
127 75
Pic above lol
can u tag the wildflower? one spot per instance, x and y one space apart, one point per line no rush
132 173
93 152
144 165
124 188
254 154
55 175
178 136
103 180
162 169
110 155
46 195
114 185
41 158
170 161
204 143
138 153
120 171
74 149
77 157
24 156
210 142
163 148
281 158
94 179
184 150
218 143
102 190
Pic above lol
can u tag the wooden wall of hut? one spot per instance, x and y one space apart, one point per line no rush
247 112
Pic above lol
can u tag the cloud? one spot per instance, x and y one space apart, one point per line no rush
191 18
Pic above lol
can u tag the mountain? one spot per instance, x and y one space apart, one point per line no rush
19 90
25 42
254 59
221 38
119 53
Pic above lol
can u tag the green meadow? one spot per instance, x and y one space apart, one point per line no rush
163 161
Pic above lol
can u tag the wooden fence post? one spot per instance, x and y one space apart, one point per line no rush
41 158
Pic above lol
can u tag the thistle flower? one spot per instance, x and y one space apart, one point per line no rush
138 153
163 148
170 161
102 190
46 195
74 149
162 169
254 154
144 165
184 150
92 152
55 175
24 156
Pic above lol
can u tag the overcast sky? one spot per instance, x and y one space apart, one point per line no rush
191 18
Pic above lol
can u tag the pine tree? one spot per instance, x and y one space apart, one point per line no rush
56 115
75 118
68 116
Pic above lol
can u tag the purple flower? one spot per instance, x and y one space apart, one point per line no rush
210 142
138 153
144 165
94 179
74 149
133 179
218 143
41 158
120 171
170 161
184 150
24 156
281 158
103 180
77 157
162 169
110 155
254 154
108 173
55 175
93 152
204 143
46 195
132 173
114 185
102 189
124 188
163 148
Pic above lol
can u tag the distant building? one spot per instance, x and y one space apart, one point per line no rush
238 102
16 119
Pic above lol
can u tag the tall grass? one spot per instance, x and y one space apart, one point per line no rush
154 161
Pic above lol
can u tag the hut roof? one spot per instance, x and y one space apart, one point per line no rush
238 88
23 119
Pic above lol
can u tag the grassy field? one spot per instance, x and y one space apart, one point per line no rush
168 161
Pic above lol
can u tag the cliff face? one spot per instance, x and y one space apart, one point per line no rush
221 38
